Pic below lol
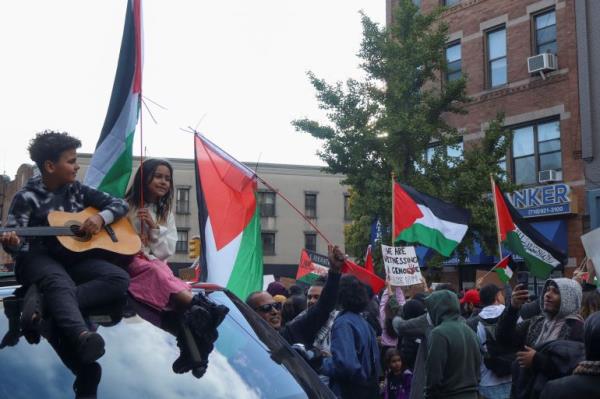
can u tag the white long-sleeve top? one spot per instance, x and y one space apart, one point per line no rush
161 241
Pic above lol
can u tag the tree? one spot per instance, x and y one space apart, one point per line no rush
388 121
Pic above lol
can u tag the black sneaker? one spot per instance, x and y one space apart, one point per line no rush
90 346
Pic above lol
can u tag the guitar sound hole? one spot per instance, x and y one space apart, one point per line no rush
78 234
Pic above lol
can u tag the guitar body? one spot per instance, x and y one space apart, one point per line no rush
124 239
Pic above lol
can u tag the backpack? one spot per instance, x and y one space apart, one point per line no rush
499 357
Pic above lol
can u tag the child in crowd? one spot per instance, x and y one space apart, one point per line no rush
397 379
152 281
68 281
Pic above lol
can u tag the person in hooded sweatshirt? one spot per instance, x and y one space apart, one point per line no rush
453 358
585 381
559 320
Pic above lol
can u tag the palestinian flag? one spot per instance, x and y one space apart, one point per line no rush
111 164
503 270
311 266
541 255
429 221
229 220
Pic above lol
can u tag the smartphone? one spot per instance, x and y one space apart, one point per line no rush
523 279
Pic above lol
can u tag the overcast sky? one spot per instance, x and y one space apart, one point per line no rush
237 66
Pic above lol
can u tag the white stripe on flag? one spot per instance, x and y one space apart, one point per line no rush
219 264
450 230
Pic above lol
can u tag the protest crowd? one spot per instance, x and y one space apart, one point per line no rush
490 342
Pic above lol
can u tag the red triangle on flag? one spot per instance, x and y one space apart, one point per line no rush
369 261
406 211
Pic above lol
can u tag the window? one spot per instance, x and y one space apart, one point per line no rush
453 61
183 200
347 207
545 32
266 201
450 2
310 205
268 241
535 147
182 241
454 151
310 241
496 55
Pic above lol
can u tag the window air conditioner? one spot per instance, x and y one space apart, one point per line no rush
542 63
548 176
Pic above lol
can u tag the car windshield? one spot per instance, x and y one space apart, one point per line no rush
249 360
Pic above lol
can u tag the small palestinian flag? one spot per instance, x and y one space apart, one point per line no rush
503 269
541 255
429 221
312 265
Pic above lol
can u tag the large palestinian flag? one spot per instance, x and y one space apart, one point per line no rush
111 164
541 255
429 221
229 220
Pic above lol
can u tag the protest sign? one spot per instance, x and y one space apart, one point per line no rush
401 265
591 244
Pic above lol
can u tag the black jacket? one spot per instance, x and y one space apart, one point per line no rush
573 386
304 328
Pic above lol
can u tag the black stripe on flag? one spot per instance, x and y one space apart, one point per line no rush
441 209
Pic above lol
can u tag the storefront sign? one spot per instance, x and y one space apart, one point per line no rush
553 199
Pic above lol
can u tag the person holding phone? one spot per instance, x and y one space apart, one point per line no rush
559 320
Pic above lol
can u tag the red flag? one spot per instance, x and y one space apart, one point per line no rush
367 277
406 210
369 261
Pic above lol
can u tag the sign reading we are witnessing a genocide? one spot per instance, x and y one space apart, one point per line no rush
401 265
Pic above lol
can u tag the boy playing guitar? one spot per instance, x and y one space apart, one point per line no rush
68 281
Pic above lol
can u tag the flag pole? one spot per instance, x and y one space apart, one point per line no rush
294 208
493 183
393 216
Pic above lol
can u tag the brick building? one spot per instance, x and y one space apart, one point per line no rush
490 41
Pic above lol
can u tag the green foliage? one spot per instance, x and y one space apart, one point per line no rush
386 122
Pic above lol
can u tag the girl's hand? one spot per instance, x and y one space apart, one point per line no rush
146 218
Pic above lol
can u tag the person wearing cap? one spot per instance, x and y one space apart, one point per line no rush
585 381
469 304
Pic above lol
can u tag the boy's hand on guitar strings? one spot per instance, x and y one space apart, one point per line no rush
10 238
92 225
145 217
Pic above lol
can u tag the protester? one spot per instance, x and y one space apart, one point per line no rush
453 358
496 380
153 283
67 280
590 303
585 381
276 288
304 328
541 358
417 329
397 378
469 304
353 367
389 339
292 307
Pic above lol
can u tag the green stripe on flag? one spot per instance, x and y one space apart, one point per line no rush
247 274
116 180
428 237
502 275
536 265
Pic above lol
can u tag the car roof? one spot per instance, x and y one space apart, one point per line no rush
250 359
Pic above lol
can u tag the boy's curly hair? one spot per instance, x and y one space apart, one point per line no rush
49 145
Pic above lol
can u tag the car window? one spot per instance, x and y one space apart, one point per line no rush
249 361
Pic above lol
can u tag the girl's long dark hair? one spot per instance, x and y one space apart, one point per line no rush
133 195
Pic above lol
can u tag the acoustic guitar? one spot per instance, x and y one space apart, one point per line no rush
119 237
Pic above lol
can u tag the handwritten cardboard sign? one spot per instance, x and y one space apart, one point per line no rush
401 265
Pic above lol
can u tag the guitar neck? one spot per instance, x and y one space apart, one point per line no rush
40 231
